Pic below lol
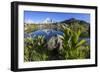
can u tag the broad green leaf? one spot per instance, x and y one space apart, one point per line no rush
81 43
75 38
78 33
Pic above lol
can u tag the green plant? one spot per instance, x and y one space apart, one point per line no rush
35 49
73 47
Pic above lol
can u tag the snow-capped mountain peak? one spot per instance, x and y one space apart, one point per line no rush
48 20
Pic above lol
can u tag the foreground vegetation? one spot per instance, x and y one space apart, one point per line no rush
37 49
66 47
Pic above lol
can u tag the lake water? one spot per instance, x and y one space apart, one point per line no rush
48 33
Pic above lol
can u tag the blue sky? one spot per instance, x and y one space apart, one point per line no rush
38 17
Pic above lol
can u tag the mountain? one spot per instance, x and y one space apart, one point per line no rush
48 20
78 24
73 20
